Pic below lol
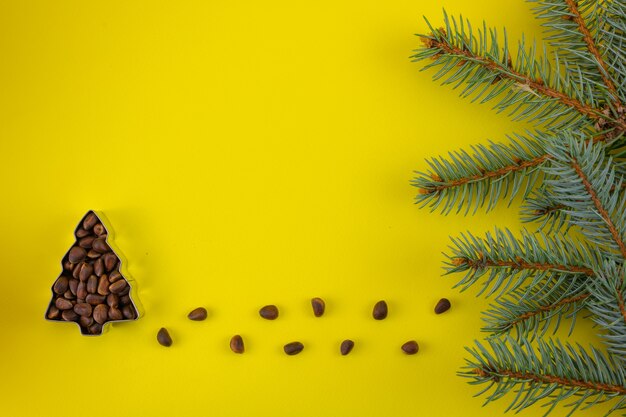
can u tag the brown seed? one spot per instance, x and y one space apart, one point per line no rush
100 313
95 328
85 321
98 267
113 300
81 232
79 269
69 295
76 271
69 315
164 338
90 221
115 276
442 306
115 314
411 347
98 229
103 285
86 242
63 304
236 344
346 347
73 284
76 254
61 285
269 312
81 290
68 266
118 286
128 311
198 314
53 312
95 299
380 310
93 254
85 272
99 245
318 306
83 309
293 348
92 284
109 261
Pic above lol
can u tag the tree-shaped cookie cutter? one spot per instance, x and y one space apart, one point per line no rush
94 287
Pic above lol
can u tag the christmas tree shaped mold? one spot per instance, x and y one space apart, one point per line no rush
91 290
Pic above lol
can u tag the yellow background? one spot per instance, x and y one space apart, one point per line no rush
245 153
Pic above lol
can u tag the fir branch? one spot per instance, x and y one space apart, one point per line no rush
539 206
531 311
584 180
553 372
591 46
571 34
575 179
611 35
608 305
488 174
546 95
507 262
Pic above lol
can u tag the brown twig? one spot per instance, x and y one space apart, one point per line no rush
600 208
550 379
486 174
548 307
549 210
591 46
536 85
521 264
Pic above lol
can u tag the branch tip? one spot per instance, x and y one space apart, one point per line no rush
427 41
459 261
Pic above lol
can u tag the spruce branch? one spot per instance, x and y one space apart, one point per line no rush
611 35
489 173
531 311
584 180
540 207
483 177
506 262
553 372
571 179
572 24
533 90
573 6
608 305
